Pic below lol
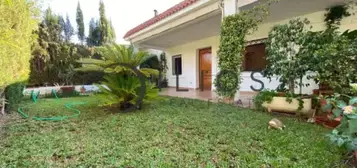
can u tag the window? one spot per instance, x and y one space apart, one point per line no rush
254 59
176 65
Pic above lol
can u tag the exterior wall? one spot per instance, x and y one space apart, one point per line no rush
189 55
245 2
317 23
188 51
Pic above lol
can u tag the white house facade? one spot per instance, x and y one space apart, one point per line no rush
189 34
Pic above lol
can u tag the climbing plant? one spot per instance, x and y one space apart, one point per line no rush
234 30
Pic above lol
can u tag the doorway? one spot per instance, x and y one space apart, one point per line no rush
205 68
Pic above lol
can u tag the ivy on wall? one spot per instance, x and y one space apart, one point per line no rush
234 30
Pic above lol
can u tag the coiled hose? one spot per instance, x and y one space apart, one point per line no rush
68 106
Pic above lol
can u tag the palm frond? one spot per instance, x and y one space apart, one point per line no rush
93 61
87 68
148 71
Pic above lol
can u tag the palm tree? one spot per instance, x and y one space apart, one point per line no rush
117 59
122 63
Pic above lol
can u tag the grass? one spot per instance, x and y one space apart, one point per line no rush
168 133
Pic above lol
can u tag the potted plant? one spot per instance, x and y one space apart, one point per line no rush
164 83
288 58
273 101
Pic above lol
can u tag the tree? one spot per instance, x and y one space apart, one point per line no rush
285 46
125 81
114 56
80 24
53 57
54 25
112 34
15 43
94 33
68 29
335 61
106 31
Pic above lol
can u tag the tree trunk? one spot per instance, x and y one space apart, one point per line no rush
3 107
300 85
292 86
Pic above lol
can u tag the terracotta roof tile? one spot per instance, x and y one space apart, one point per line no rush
182 5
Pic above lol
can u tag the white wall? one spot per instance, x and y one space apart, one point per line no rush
189 77
247 82
230 7
189 54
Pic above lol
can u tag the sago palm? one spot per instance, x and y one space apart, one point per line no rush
117 59
124 90
124 83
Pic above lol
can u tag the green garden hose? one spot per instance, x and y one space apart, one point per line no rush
68 106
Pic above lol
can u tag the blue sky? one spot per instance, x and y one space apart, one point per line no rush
125 14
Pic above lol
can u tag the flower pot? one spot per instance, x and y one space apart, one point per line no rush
316 92
327 122
281 94
280 104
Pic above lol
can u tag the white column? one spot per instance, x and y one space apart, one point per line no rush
230 7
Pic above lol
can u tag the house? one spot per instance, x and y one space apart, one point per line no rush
189 33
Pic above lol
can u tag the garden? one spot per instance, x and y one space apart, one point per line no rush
122 121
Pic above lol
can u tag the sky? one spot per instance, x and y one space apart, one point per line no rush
125 14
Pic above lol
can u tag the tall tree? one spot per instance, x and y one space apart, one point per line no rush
54 27
112 34
105 29
80 24
18 21
93 33
103 24
68 30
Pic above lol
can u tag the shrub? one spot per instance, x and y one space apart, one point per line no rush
14 94
17 20
124 79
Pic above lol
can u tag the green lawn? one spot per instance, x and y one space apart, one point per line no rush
167 133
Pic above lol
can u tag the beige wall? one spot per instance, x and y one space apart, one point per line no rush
317 23
189 53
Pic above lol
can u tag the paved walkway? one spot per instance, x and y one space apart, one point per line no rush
245 98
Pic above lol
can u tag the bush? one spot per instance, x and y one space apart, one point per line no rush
124 90
263 96
14 94
17 23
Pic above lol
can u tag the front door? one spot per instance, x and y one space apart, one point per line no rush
205 70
